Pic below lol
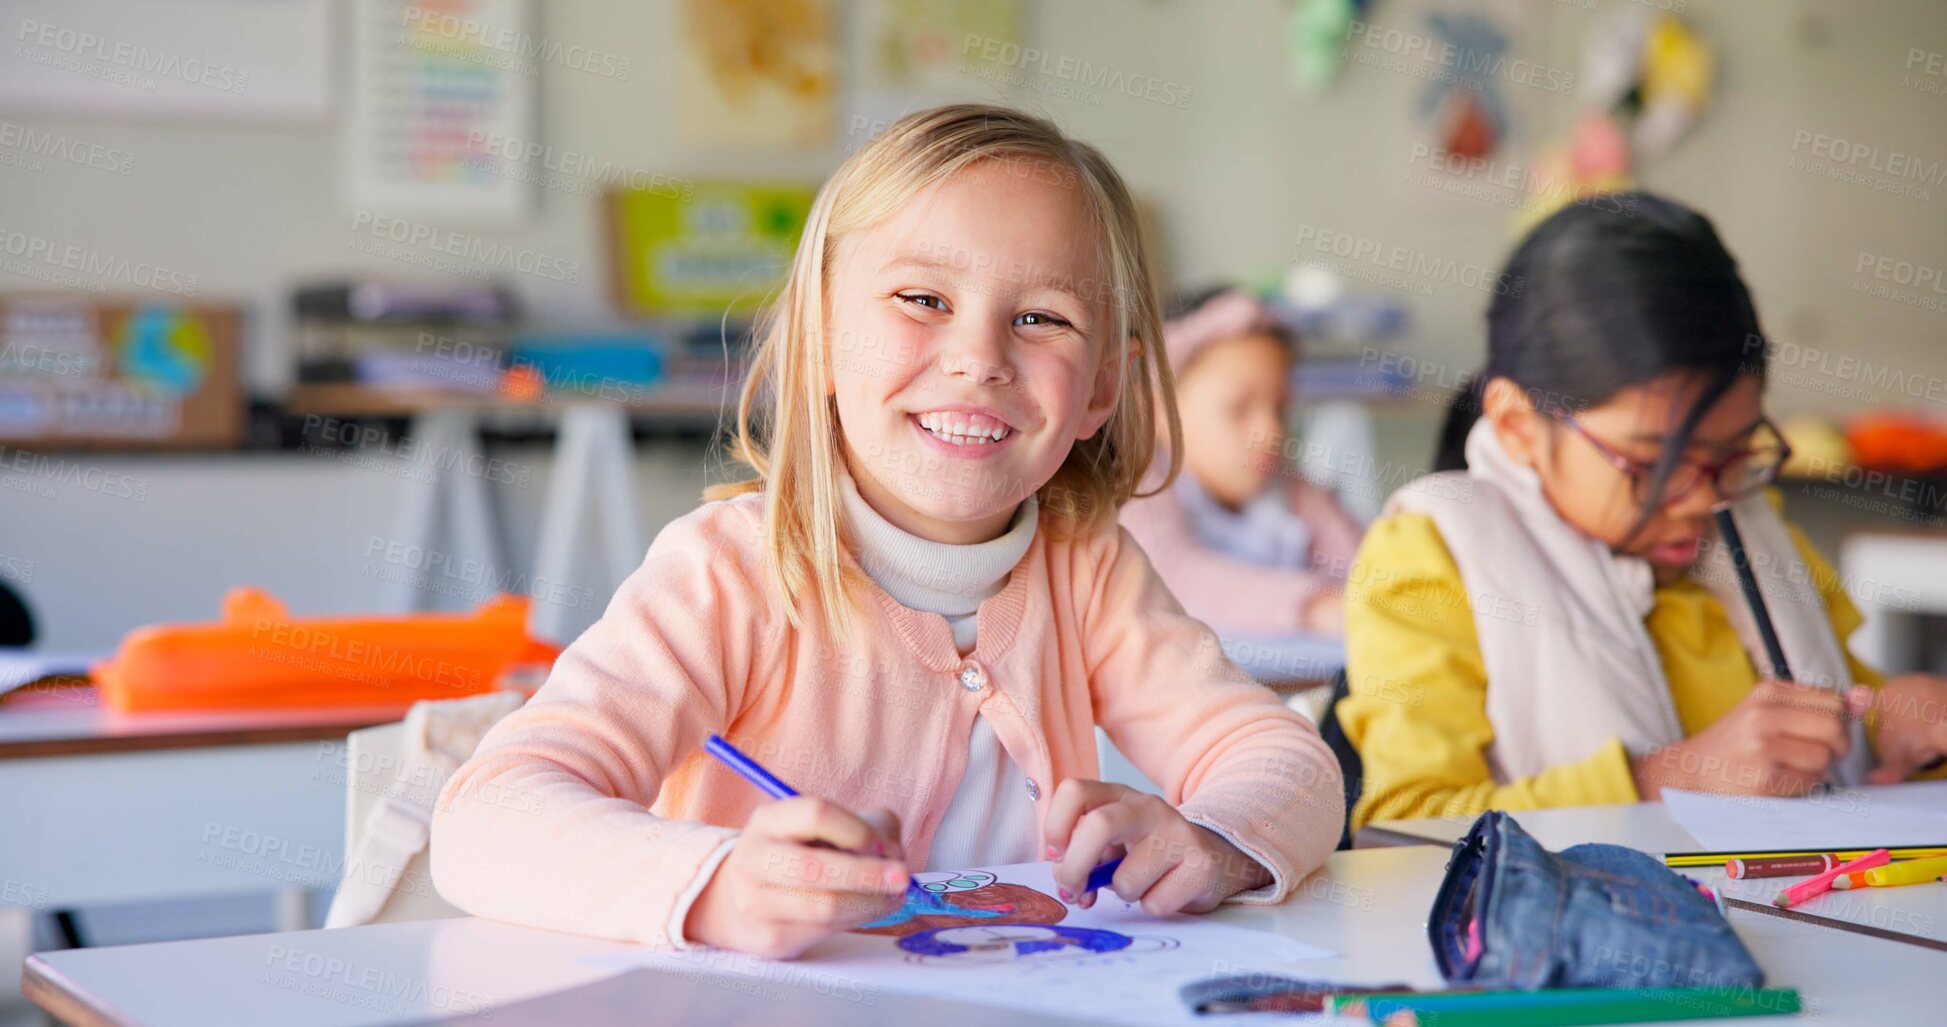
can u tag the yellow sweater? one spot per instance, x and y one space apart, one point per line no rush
1417 711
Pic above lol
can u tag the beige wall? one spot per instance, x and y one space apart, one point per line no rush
1786 66
1234 176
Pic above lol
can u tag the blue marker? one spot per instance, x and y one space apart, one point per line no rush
749 768
1100 877
768 782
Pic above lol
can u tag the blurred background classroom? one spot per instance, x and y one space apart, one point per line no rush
378 306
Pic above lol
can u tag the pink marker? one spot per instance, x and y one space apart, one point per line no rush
1816 886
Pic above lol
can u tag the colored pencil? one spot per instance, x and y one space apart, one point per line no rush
1847 882
1912 871
1713 859
1812 888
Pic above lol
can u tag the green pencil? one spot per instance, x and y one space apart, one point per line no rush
1564 1007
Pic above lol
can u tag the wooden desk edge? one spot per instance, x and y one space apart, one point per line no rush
61 999
1285 688
1868 930
1371 837
202 738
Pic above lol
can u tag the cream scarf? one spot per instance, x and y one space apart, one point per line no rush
1560 617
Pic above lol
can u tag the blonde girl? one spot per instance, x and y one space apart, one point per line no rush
919 606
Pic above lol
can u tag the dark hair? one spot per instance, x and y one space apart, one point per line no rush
1608 294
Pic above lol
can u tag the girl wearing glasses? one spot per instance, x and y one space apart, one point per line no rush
1549 620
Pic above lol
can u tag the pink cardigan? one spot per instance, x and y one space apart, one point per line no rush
593 809
1234 596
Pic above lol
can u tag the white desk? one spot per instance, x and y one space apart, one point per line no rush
1369 906
1642 825
104 807
1647 826
99 807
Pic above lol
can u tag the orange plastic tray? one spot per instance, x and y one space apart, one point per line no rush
1898 442
259 656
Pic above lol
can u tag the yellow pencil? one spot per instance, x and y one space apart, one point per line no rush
1712 859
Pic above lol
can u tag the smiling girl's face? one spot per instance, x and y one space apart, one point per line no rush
967 348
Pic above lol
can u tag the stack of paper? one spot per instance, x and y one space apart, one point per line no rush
1910 814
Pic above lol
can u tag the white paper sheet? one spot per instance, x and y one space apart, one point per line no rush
1113 962
1914 813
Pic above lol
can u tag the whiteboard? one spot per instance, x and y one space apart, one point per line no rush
262 60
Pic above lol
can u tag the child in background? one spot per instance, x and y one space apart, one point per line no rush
1246 543
922 602
1556 624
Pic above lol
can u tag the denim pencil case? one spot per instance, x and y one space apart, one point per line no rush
1511 914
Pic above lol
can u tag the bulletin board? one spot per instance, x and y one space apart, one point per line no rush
81 372
719 246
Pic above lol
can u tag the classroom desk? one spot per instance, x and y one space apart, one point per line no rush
1368 906
1639 825
102 807
1919 912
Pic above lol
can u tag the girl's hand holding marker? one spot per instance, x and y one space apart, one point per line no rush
803 869
1166 863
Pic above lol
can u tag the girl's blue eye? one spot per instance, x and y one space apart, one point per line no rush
1043 318
923 300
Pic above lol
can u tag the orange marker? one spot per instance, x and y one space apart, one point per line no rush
1847 882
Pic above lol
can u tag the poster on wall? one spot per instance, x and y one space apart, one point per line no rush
757 73
429 83
80 372
915 54
713 248
934 45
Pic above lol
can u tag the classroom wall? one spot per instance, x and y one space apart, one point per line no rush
1787 69
1234 176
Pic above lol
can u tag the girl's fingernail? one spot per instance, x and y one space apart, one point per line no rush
1065 896
1053 853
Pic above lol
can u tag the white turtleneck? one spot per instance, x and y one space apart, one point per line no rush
991 818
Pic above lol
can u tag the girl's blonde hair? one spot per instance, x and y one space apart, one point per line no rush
787 425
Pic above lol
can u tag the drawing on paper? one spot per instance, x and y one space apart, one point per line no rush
1006 943
965 898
